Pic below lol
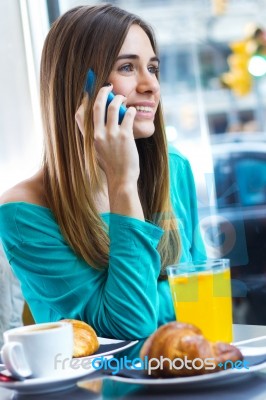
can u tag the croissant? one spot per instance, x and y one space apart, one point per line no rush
85 338
177 340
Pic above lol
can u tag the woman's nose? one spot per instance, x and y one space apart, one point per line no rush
147 82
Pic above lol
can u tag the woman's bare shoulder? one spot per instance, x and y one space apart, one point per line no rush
28 191
20 192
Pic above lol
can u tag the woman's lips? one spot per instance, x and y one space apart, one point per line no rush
144 111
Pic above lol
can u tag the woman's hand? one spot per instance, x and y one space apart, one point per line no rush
117 152
115 144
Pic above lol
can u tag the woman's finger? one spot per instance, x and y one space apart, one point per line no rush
129 117
113 110
99 108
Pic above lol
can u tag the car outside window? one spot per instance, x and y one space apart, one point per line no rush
251 178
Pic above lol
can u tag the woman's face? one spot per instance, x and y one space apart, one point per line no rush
134 76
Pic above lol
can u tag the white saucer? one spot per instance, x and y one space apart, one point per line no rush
71 375
49 384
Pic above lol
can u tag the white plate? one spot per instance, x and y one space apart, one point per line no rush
110 346
213 379
48 385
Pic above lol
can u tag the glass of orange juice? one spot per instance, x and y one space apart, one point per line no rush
201 293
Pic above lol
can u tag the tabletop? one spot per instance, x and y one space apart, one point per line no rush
253 386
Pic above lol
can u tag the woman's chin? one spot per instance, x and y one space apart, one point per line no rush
143 129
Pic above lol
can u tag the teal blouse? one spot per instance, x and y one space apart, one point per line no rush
125 301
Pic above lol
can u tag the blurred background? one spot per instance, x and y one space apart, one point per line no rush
213 80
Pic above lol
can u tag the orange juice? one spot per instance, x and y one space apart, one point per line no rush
203 298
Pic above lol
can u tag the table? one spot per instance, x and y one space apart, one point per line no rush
253 387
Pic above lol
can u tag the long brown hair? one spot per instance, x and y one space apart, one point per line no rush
82 38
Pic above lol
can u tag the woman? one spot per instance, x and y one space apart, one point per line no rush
90 235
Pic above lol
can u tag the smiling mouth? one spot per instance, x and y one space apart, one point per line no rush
144 109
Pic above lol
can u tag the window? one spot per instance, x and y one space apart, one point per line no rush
251 178
23 27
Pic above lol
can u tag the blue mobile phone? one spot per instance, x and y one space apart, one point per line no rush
89 87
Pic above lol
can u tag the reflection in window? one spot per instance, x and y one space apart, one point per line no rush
224 182
251 178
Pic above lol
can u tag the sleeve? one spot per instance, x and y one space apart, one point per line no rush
119 302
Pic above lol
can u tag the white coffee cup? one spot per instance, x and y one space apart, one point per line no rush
34 350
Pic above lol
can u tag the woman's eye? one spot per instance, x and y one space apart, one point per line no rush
153 69
126 68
